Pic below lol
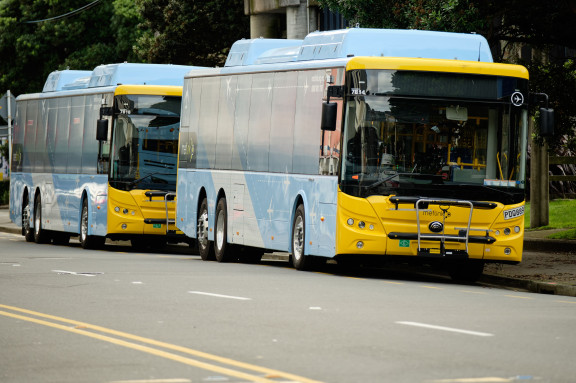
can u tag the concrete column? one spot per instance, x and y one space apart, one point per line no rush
301 20
264 25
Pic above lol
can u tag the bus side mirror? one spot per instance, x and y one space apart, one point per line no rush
546 122
102 130
329 113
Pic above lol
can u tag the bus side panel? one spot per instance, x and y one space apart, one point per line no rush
272 199
261 206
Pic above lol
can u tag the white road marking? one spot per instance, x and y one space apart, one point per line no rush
220 295
76 273
442 328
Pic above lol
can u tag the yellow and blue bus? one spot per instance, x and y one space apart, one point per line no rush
95 153
357 144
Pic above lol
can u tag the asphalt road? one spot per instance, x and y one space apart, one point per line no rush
72 315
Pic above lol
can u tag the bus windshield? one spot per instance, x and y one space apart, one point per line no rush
145 142
439 135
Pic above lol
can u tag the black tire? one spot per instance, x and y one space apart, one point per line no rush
468 271
27 231
247 254
146 243
40 235
60 239
222 251
297 257
205 247
139 244
88 241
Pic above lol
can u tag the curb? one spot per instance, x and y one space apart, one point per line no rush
550 245
550 288
11 230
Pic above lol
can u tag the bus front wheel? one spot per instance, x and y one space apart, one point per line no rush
204 245
88 241
468 271
221 248
298 259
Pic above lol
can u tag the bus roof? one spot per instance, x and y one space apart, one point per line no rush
116 74
345 43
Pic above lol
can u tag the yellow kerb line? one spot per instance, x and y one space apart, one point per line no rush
80 328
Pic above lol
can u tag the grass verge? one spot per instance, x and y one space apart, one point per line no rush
561 215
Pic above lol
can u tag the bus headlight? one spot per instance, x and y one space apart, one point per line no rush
361 224
350 221
507 231
516 229
116 209
124 226
125 211
359 244
507 251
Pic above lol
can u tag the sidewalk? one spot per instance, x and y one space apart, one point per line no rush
548 265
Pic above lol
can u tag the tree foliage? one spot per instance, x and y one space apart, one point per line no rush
547 27
30 51
190 32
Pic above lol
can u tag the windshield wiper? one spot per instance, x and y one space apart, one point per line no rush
135 182
380 182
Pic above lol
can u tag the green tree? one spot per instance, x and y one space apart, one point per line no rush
190 32
546 26
30 51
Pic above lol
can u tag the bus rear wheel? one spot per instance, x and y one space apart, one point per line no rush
27 231
40 235
204 245
88 241
222 251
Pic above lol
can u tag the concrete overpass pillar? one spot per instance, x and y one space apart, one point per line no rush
301 20
264 25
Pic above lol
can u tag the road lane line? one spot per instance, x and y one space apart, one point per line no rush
442 328
489 379
82 327
153 381
220 295
518 297
573 302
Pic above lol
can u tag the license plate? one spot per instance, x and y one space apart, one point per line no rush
514 213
